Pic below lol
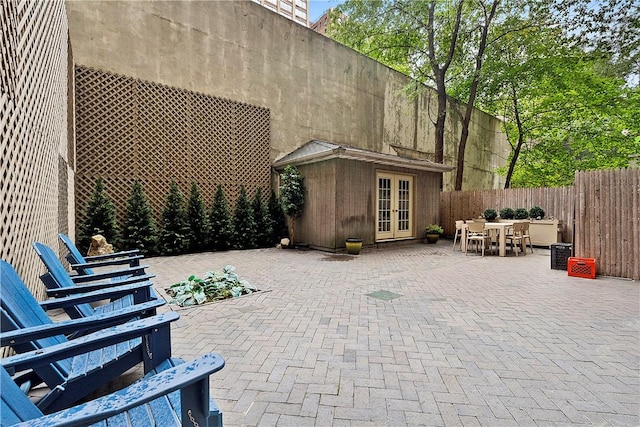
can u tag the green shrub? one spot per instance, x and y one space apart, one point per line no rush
100 218
536 212
174 235
278 219
139 231
490 214
292 196
521 213
244 226
507 213
263 221
220 222
198 221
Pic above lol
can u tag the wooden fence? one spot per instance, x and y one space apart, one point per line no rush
600 215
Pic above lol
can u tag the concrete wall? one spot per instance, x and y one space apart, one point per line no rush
314 87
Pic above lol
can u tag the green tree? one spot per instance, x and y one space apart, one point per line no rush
100 218
174 235
428 40
278 219
139 231
220 222
263 221
198 221
292 196
244 226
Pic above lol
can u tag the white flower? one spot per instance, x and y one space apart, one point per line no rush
625 132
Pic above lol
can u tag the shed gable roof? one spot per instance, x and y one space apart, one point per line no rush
317 151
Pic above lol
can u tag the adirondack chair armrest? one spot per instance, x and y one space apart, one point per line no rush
109 274
105 337
132 261
88 287
99 321
98 295
185 377
133 252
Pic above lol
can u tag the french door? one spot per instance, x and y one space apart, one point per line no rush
394 215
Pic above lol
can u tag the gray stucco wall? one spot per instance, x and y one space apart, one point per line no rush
314 87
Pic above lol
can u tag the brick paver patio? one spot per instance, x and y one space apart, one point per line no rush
466 340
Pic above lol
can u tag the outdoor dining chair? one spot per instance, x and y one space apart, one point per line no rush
458 233
479 236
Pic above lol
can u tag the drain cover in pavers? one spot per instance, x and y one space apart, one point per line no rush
384 295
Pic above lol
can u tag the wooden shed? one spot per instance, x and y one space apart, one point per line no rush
355 193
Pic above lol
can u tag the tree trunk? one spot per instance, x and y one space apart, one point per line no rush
473 91
518 147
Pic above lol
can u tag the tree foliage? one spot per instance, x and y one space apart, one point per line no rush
174 235
563 75
100 218
139 231
278 219
198 221
263 221
292 196
220 221
244 225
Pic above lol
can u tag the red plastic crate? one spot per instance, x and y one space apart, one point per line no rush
582 267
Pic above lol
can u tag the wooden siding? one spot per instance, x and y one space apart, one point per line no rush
317 225
341 202
600 215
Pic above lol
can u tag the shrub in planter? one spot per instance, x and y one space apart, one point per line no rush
490 214
507 213
521 213
536 212
433 232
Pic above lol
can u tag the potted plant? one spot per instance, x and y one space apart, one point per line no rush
536 212
521 213
507 213
490 214
433 232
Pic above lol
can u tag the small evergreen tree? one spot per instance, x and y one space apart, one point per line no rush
292 196
278 220
221 228
244 227
100 218
264 226
174 236
139 231
198 221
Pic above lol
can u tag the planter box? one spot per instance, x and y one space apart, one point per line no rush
545 232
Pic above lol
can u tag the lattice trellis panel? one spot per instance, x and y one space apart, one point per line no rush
128 128
33 123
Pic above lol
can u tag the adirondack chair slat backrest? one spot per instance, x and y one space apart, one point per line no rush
15 405
21 310
74 257
60 275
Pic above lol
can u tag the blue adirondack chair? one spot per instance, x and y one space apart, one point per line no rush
85 265
26 328
174 393
59 283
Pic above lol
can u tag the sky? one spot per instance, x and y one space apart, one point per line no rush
318 7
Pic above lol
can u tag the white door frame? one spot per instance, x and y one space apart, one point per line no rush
395 196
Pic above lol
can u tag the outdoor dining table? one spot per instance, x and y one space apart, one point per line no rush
501 228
